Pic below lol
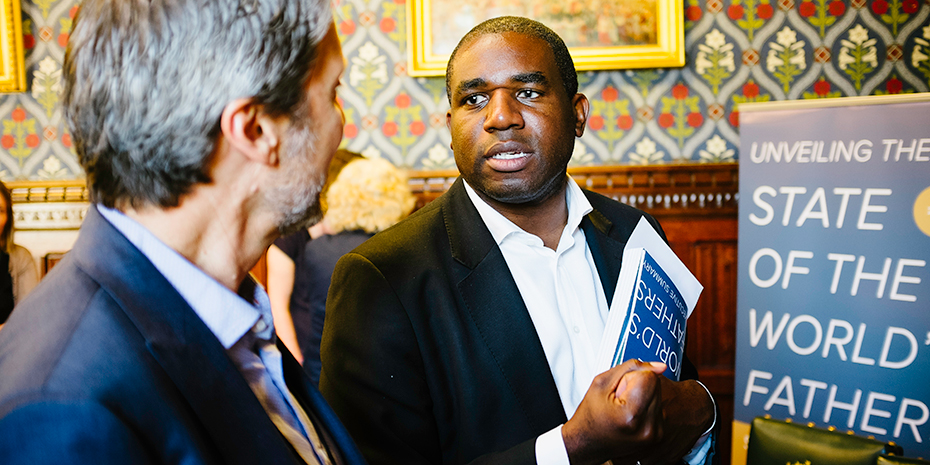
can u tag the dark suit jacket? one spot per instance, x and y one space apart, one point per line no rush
429 354
106 363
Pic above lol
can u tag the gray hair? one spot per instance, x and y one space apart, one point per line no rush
527 27
146 82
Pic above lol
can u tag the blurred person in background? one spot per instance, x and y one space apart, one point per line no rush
23 275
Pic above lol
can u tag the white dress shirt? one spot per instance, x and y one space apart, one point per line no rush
564 297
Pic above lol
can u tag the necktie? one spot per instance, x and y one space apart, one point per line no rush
260 363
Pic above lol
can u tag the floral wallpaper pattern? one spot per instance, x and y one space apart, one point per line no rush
737 51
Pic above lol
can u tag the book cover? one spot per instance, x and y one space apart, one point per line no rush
654 297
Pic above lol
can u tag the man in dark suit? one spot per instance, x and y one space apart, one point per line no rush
205 129
469 332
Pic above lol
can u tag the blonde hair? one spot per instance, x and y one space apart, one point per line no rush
369 194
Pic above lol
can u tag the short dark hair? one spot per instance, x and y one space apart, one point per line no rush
146 82
527 27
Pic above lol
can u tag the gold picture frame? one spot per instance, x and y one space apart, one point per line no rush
641 33
12 61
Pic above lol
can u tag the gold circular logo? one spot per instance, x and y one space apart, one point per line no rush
922 211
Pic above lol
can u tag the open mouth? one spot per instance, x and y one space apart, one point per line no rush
509 155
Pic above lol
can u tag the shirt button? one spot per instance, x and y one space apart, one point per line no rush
260 325
577 329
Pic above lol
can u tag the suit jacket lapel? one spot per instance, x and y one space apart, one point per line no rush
607 252
497 309
607 239
183 345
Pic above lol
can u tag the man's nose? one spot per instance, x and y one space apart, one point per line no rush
503 112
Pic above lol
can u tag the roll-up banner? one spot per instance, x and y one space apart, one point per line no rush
833 305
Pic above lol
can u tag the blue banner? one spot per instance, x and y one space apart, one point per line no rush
833 306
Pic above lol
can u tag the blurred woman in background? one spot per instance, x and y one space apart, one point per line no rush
23 275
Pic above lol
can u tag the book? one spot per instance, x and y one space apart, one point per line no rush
654 297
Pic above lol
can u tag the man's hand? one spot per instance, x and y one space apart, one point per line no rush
632 413
620 415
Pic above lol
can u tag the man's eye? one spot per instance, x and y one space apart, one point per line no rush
528 93
476 99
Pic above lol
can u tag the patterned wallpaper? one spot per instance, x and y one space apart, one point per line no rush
737 51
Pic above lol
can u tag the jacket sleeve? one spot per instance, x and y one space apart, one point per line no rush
55 432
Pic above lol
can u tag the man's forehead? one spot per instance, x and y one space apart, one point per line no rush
493 45
495 42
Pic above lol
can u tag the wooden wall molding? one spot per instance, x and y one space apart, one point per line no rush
49 205
49 216
70 190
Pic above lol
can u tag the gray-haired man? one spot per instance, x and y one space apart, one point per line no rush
205 128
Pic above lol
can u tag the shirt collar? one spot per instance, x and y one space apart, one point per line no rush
501 227
227 314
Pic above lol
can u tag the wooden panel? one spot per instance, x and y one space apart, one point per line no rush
50 260
708 247
72 190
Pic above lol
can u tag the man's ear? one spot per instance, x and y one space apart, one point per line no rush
581 107
449 126
251 131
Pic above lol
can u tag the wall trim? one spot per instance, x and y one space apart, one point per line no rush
686 189
49 205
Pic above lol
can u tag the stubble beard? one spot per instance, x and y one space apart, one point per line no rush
297 197
523 194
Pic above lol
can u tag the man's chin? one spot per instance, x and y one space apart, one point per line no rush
293 222
522 194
